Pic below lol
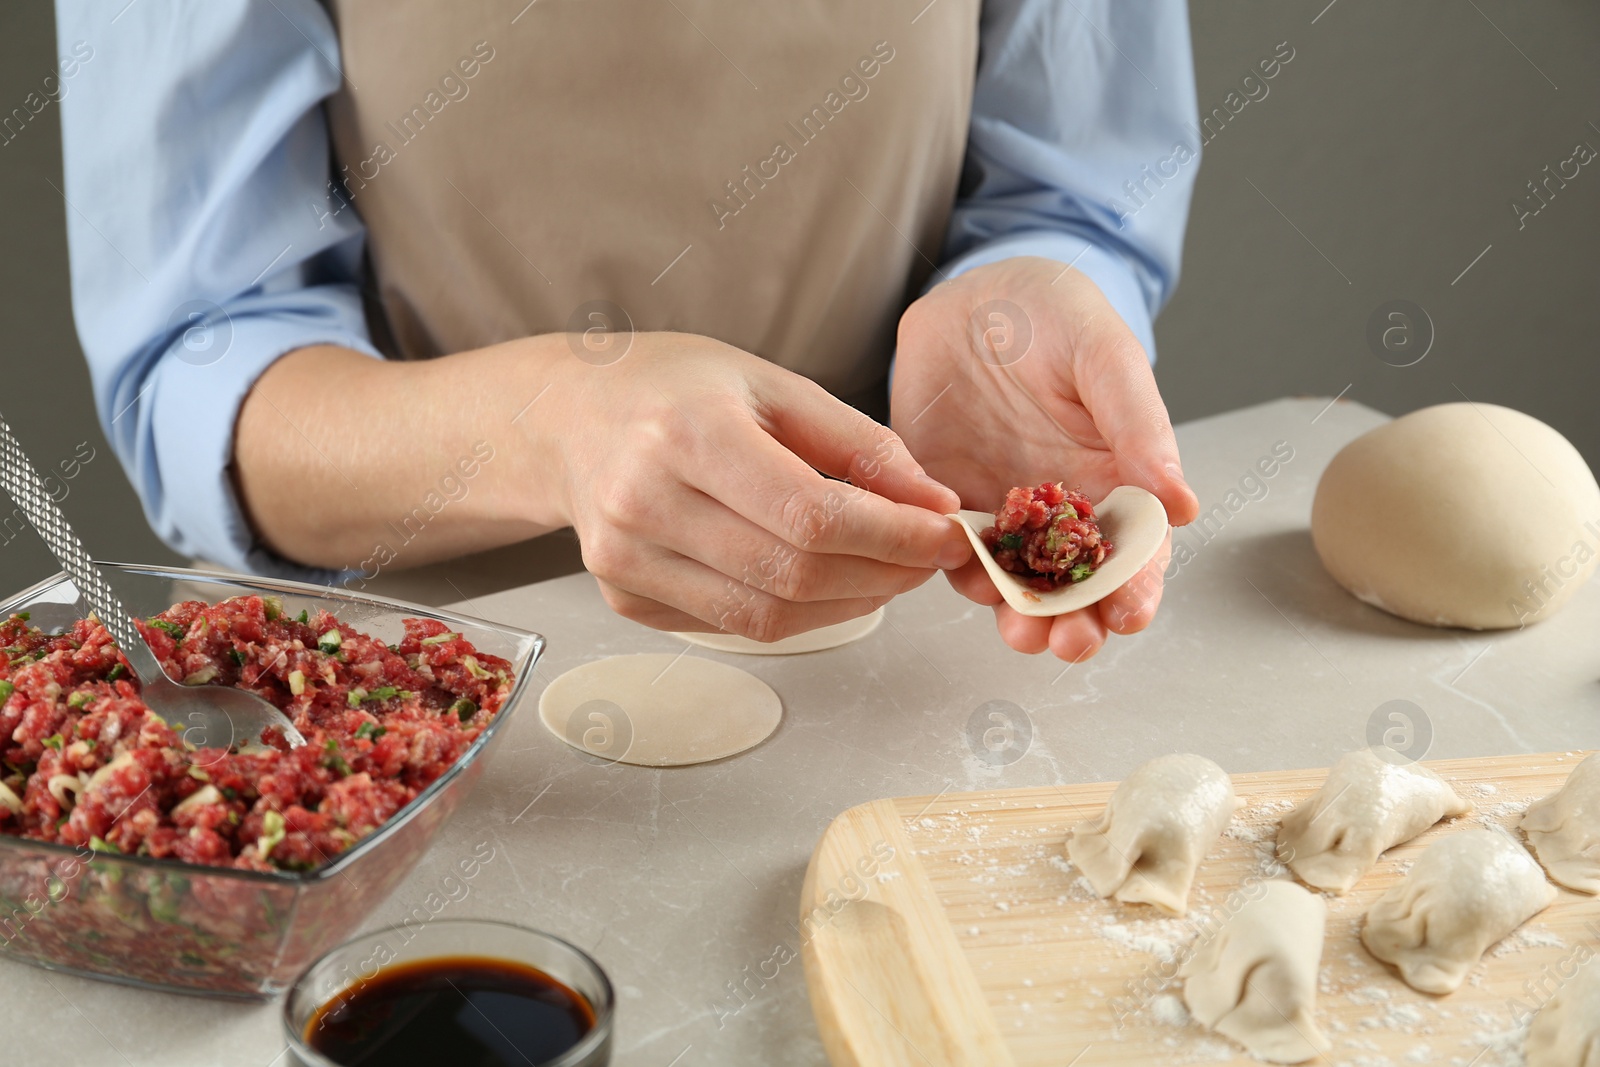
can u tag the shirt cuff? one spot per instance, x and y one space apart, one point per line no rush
1106 269
189 427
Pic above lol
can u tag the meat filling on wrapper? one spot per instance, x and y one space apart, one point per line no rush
1047 536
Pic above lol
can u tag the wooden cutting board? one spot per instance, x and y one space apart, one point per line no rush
951 931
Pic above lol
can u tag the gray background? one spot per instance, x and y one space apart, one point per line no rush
1382 161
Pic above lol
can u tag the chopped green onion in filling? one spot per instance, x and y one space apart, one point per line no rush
273 830
171 629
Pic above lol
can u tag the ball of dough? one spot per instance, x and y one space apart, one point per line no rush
1466 515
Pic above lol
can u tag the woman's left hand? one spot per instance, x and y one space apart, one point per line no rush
1021 372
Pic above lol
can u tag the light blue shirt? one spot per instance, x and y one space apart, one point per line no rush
193 137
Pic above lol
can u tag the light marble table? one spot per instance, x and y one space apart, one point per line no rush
685 881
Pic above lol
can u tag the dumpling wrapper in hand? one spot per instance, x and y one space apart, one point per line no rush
1255 980
1465 892
1132 519
1367 805
1564 829
1159 825
1566 1033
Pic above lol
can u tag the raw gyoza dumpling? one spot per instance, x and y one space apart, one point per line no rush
1367 805
1255 980
1564 828
1465 892
1567 1032
1159 825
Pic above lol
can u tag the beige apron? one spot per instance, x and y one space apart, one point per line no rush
776 176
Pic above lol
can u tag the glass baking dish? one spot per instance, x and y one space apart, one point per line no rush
218 931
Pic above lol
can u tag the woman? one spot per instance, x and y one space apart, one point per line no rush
639 268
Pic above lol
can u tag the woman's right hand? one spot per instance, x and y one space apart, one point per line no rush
689 470
687 467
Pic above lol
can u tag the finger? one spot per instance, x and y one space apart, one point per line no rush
972 581
658 577
736 616
651 613
1022 632
1127 610
686 521
1077 636
1073 637
1122 398
1133 606
750 472
836 439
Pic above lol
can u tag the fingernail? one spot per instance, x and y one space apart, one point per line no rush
952 555
1174 471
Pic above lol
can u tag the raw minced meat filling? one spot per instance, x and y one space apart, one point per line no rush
1047 536
86 763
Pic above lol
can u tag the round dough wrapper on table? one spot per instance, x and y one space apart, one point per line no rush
660 709
1465 892
1132 519
1564 828
1566 1032
1468 515
1159 824
1255 978
1366 806
823 637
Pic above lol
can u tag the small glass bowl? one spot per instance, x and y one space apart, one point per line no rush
362 958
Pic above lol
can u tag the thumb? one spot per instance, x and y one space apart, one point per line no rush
842 442
1130 415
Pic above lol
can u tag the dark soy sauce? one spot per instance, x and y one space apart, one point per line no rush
465 1011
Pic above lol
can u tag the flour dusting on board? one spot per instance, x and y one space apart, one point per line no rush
1169 1010
1503 814
1529 936
1134 936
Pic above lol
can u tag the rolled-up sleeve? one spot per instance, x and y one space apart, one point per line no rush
1083 146
204 239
